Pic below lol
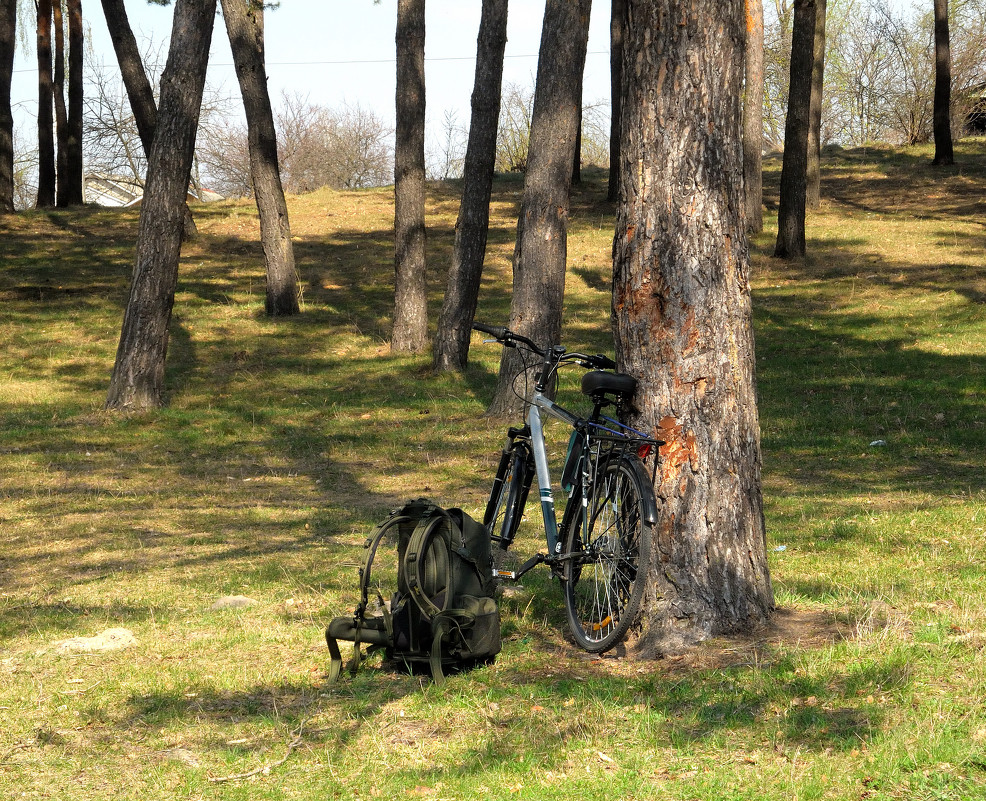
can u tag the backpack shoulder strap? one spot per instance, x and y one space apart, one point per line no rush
427 566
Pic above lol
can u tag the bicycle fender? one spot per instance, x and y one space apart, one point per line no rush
646 490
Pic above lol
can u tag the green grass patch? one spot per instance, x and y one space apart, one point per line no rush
284 441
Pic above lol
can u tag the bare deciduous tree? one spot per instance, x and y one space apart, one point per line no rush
514 133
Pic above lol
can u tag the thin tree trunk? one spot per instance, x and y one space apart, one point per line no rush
8 18
753 117
617 25
245 26
577 155
451 347
46 113
73 164
138 375
813 192
542 230
61 113
943 87
139 91
410 331
682 316
794 169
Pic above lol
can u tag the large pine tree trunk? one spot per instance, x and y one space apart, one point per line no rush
617 25
73 142
138 375
46 112
139 91
542 230
8 17
794 169
410 331
682 317
245 26
753 117
813 192
943 87
451 347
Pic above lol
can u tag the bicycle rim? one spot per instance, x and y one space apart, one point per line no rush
610 543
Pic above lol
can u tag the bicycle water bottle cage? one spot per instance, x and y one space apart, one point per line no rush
598 384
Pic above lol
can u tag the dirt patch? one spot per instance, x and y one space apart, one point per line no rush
788 628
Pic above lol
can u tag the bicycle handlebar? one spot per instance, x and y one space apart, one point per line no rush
509 339
506 337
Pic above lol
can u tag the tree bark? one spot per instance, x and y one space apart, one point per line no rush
753 117
794 169
541 249
813 191
682 317
245 26
138 375
8 41
46 113
943 87
61 113
410 331
73 141
139 91
617 26
451 347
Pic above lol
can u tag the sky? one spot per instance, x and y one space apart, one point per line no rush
337 52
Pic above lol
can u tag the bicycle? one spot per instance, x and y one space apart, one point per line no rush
602 549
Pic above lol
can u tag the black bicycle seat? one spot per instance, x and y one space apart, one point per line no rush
597 382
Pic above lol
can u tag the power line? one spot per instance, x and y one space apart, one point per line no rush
366 61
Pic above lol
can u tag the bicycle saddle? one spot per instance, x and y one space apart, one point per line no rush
598 383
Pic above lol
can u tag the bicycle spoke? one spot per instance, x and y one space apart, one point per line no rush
603 595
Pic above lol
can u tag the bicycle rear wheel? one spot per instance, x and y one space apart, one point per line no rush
609 543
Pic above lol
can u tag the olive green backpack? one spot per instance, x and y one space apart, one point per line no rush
436 566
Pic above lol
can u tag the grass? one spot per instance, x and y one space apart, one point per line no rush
284 441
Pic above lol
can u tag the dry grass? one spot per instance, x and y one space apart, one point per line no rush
285 440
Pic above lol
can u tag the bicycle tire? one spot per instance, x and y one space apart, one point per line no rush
505 507
607 557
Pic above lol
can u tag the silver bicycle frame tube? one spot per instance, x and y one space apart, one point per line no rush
538 402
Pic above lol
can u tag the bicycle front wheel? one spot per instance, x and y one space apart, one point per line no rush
608 547
508 496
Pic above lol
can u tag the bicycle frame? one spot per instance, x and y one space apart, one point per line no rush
540 401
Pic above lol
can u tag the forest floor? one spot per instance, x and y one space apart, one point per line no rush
284 441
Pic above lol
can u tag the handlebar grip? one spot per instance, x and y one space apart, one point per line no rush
496 331
604 362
